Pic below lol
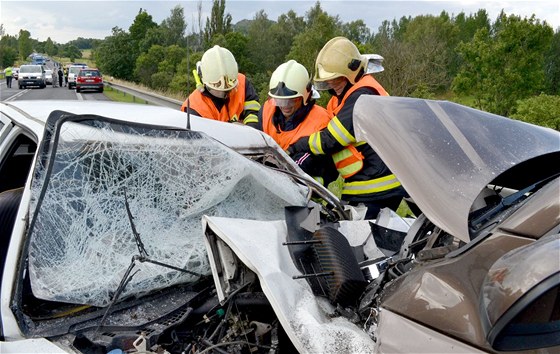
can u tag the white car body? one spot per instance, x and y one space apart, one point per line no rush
476 271
28 118
73 71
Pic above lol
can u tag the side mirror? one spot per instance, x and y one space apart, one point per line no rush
520 302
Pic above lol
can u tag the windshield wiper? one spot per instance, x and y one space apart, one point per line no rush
139 243
142 257
508 202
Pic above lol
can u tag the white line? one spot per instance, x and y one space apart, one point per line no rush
14 96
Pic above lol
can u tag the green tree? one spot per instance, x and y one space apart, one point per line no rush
356 31
552 65
141 25
283 32
505 65
114 56
8 49
320 28
218 23
50 48
72 52
147 64
25 44
174 27
543 110
261 47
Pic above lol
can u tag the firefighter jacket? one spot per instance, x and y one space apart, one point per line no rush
306 120
241 104
316 118
366 177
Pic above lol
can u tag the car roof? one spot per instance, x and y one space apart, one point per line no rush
34 113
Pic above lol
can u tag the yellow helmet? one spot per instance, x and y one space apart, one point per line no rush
218 69
339 57
290 80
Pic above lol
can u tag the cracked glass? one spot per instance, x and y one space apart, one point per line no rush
81 237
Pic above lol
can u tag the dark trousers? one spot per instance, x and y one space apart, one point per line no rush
9 81
374 207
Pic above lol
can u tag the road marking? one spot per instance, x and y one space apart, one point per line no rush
13 97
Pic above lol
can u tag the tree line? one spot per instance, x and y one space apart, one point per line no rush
509 65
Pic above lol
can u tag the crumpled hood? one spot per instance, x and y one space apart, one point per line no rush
444 153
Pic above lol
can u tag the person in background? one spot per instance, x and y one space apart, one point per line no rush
65 77
222 93
8 73
290 113
54 77
340 69
60 76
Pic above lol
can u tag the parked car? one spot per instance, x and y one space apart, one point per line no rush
15 72
73 71
89 79
138 229
31 75
48 76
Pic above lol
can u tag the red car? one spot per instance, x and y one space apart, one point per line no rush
89 79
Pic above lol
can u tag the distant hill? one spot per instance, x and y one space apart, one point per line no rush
243 26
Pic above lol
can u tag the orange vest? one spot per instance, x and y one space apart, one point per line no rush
317 119
366 81
349 160
230 112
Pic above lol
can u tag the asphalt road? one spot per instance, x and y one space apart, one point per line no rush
48 93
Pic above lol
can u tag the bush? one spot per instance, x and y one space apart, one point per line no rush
543 110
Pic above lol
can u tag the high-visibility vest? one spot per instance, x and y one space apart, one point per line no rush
230 112
9 71
317 119
349 160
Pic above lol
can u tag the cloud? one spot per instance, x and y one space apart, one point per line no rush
63 21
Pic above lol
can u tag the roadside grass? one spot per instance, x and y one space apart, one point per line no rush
119 96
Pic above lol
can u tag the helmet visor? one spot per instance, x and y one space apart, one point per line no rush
336 84
282 91
285 102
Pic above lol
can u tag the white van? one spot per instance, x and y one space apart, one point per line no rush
31 75
73 71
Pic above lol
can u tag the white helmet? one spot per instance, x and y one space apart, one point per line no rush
290 80
218 69
339 57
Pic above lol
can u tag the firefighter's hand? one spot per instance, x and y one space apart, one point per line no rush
302 145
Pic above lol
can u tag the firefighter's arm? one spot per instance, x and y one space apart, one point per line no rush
251 106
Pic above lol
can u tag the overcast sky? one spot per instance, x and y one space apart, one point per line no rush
66 20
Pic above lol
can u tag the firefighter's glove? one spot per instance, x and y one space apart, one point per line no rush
300 146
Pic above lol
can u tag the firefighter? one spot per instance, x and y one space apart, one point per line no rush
290 113
222 93
340 69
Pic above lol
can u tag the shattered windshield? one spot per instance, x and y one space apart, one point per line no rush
81 239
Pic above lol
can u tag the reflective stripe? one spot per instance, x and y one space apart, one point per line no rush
348 161
372 186
351 169
251 118
339 132
233 118
252 105
315 144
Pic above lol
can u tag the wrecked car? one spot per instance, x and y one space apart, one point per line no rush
140 230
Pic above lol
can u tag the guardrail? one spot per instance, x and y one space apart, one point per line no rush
150 97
